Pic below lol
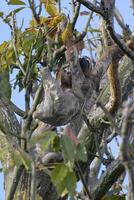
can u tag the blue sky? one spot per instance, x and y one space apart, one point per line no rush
123 5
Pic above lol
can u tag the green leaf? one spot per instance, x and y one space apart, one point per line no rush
16 2
67 33
50 6
3 46
81 153
92 30
70 182
44 139
68 148
60 187
27 40
18 10
59 173
56 144
1 170
15 11
63 179
114 197
10 56
1 14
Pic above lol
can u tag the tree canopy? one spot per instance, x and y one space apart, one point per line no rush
76 73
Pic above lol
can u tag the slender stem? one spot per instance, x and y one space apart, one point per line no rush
14 30
76 14
40 9
59 6
83 34
90 127
33 182
120 20
83 180
32 6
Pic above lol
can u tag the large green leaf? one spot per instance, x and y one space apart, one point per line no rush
50 6
68 148
16 2
64 179
67 33
59 173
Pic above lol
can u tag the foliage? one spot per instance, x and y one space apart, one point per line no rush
47 41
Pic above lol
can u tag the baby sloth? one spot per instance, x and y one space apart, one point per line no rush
86 67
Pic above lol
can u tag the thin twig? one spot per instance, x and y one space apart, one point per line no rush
31 62
14 30
90 127
40 9
120 20
75 17
59 6
83 34
32 6
33 182
83 180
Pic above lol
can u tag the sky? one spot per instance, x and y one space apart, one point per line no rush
17 98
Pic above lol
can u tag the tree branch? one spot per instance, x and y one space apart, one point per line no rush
91 6
104 13
76 15
32 6
111 175
119 42
125 147
14 183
